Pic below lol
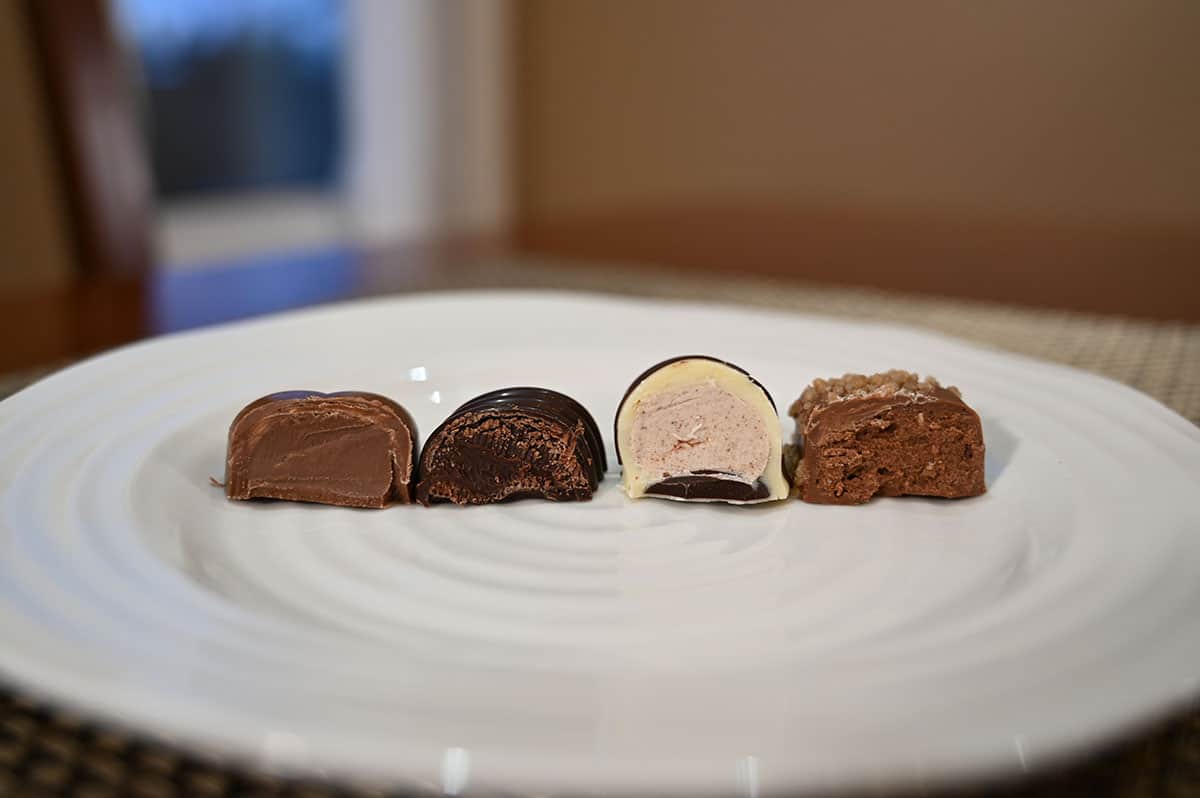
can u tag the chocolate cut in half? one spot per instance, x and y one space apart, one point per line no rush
888 434
514 443
695 428
351 449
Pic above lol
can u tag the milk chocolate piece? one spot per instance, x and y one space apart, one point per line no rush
350 448
513 443
695 428
890 434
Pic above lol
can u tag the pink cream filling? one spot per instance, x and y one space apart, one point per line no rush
700 427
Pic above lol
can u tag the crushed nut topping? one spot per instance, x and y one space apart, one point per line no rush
856 386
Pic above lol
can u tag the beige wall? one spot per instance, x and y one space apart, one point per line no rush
1061 109
34 244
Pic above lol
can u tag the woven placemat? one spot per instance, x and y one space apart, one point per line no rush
1161 359
45 752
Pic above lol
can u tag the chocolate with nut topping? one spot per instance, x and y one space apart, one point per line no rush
889 434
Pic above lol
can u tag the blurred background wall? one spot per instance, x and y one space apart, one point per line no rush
1024 150
215 159
1082 110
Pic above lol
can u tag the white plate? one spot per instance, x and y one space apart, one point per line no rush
600 646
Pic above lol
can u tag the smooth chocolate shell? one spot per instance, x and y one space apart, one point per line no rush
350 448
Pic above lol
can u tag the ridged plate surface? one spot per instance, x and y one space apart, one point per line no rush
596 647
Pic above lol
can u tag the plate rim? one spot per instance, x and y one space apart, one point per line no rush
162 729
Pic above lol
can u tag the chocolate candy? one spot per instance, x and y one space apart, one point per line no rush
511 444
889 434
350 449
696 428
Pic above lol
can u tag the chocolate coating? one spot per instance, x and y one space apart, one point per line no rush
708 487
350 448
513 443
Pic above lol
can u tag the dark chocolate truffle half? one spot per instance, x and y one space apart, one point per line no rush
351 449
696 428
888 434
513 443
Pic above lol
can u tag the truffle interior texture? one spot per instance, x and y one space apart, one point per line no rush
310 452
931 449
700 428
494 456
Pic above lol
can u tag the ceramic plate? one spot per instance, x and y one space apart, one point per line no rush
604 646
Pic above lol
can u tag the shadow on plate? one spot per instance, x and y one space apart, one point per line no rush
1001 445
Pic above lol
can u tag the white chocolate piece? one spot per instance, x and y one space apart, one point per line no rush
697 418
